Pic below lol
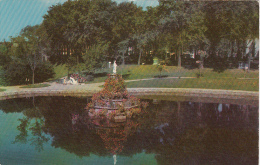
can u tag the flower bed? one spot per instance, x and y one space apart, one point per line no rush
113 102
78 78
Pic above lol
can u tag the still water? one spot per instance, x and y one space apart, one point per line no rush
40 130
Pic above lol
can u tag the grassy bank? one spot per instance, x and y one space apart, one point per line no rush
204 83
229 79
232 79
131 72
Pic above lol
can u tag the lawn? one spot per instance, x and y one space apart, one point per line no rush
1 89
35 86
229 79
60 71
204 83
131 72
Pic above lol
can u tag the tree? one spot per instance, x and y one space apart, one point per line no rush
95 56
33 47
176 22
122 49
25 58
75 26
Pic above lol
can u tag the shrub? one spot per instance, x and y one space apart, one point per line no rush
89 78
16 73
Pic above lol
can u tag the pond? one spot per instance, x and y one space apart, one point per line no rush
40 130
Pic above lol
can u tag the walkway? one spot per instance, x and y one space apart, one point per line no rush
56 89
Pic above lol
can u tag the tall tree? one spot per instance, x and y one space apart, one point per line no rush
177 21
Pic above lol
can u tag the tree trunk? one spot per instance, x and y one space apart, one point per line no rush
139 59
33 77
232 50
251 54
238 51
179 58
123 59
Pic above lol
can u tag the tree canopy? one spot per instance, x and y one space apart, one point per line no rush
85 33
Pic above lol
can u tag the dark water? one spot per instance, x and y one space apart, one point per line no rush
40 131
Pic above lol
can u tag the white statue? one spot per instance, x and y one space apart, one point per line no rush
114 67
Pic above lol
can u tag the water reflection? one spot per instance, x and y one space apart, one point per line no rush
176 132
33 122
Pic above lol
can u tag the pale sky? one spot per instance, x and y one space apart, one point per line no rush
17 14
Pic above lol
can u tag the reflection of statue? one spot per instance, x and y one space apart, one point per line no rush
114 157
114 67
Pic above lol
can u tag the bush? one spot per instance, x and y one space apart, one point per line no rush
90 78
17 73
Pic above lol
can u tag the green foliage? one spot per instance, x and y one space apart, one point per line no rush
3 48
24 57
95 57
16 73
85 34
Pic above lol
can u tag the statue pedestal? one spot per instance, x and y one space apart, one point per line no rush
113 75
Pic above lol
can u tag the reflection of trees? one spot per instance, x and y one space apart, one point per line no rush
33 122
210 134
206 146
36 128
178 133
197 133
22 137
38 138
15 105
58 114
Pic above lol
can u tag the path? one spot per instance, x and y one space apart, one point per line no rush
56 89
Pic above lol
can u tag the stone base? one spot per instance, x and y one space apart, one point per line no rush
113 75
119 119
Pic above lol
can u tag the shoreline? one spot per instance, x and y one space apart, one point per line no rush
184 94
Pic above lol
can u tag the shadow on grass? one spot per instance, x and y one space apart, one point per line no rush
125 76
35 86
103 74
160 76
190 67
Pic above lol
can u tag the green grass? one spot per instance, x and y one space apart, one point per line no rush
204 83
131 72
148 71
1 89
229 79
35 86
60 71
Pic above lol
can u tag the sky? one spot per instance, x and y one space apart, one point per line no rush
17 14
